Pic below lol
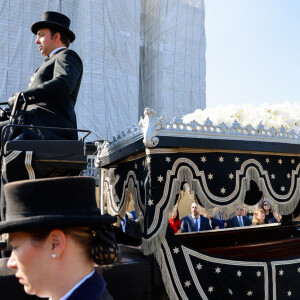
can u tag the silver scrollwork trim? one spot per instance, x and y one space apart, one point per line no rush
151 125
150 128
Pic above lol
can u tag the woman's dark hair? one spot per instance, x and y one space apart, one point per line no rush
98 244
177 215
268 203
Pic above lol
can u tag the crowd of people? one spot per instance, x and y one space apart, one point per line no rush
200 220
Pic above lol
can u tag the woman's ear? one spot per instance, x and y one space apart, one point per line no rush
57 239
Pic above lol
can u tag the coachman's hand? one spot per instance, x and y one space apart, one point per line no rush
18 97
11 101
5 114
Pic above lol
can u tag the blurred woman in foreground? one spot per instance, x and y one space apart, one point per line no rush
57 236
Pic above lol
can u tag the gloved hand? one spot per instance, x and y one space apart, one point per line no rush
17 97
5 114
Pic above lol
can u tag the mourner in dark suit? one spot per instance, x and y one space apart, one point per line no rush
131 227
238 220
51 96
56 242
194 221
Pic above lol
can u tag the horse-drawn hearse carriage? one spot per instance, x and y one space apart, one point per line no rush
160 165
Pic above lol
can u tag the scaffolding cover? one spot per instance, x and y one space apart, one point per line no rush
136 54
173 66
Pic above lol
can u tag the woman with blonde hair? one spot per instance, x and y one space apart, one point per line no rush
57 237
258 217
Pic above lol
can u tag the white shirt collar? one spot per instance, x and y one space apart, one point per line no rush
123 223
55 50
241 219
66 296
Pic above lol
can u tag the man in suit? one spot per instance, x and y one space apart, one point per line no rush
51 96
131 227
238 220
194 221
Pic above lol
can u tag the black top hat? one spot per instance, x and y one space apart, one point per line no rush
52 203
56 21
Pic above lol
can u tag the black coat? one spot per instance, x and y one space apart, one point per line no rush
188 225
235 223
94 288
51 96
132 228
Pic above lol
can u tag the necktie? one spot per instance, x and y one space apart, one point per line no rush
220 216
123 224
196 224
240 221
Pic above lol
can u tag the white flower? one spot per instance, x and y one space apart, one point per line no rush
284 115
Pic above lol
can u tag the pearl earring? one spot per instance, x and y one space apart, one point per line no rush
53 255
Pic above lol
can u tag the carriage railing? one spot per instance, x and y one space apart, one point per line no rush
6 127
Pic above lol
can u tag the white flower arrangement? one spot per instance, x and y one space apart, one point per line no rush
278 116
